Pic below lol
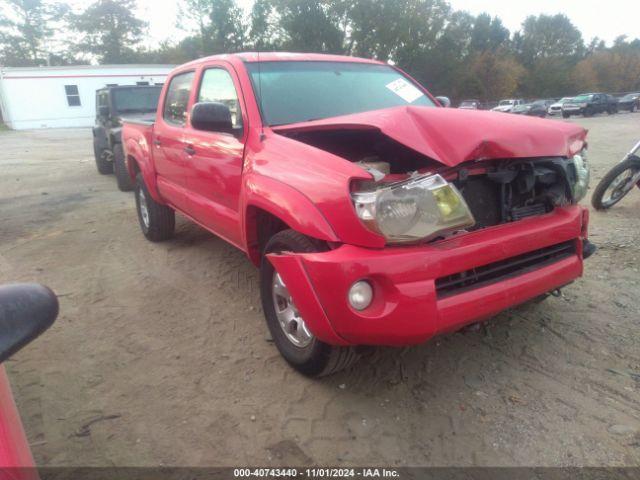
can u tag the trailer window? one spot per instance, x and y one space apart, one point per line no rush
73 95
177 101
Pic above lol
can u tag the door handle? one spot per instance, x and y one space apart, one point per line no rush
190 150
157 142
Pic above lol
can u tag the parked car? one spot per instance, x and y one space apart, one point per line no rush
112 105
629 102
537 108
589 104
556 107
508 104
26 310
376 216
470 105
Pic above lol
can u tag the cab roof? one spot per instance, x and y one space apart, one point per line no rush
251 57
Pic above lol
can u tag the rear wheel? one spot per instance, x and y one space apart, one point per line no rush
291 335
120 169
616 184
103 161
157 221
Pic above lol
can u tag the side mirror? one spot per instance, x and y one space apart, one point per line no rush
26 310
444 101
103 111
212 117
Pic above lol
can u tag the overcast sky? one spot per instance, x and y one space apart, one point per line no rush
604 19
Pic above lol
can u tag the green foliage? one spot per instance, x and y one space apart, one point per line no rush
25 28
452 52
109 30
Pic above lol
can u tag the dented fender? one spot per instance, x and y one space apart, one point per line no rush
290 267
288 204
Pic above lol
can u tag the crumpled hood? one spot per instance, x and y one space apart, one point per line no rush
453 136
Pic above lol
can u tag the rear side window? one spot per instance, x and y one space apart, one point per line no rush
217 86
103 99
177 101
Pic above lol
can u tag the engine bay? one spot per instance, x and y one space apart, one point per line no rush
496 191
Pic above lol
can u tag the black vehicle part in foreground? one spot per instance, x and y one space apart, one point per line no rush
26 310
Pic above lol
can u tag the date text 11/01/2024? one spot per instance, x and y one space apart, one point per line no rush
316 473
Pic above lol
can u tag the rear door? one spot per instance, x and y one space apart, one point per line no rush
216 158
168 140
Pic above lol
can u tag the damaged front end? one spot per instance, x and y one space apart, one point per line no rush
427 206
437 173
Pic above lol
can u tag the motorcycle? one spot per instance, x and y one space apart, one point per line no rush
619 181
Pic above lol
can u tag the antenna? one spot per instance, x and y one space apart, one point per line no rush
262 137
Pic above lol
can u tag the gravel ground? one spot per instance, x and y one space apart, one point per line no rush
161 357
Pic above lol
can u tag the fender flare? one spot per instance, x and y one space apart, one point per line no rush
139 152
286 203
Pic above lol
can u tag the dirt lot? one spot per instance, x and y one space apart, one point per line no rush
161 355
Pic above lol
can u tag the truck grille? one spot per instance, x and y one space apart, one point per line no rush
503 269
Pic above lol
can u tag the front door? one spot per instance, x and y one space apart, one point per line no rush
216 158
168 141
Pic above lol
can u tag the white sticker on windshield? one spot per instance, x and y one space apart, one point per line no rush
405 90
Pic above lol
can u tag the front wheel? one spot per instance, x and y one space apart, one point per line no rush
616 184
157 221
120 169
565 115
291 335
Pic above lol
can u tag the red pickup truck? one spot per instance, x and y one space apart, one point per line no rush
375 215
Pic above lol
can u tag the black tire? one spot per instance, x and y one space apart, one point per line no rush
316 359
632 109
161 219
587 113
104 166
120 169
615 172
565 115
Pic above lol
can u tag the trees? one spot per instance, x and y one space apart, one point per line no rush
109 30
26 32
549 47
615 69
452 52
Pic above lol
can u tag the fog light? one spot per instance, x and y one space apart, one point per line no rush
360 295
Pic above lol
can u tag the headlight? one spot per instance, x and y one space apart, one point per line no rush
416 209
584 105
583 175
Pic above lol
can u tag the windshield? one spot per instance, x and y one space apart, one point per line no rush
631 96
506 102
291 92
468 104
130 100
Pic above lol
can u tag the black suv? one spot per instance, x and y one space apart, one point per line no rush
589 104
112 105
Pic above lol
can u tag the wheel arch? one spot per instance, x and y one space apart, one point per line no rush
138 161
271 206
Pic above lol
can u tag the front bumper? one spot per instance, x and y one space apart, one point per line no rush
407 308
573 110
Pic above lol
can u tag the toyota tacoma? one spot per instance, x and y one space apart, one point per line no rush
376 216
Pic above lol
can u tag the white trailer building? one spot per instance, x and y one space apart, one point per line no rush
57 97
